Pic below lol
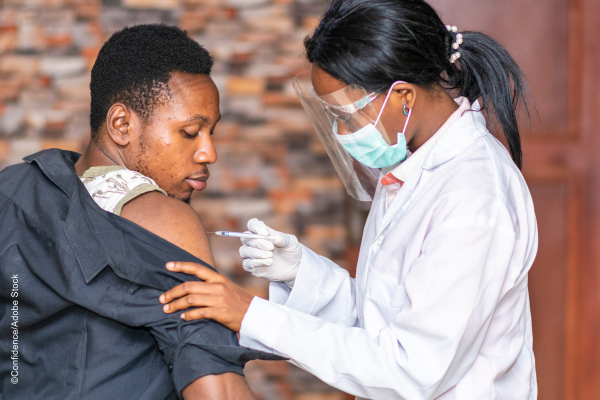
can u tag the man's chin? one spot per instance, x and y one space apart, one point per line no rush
186 198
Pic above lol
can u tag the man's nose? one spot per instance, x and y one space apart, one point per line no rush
206 153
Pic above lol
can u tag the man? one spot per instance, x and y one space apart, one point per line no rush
80 286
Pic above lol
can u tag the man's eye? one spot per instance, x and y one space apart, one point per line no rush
190 135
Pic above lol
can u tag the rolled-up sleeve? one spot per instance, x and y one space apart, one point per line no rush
116 269
81 263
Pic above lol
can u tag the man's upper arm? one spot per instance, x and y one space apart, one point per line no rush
113 268
172 220
178 223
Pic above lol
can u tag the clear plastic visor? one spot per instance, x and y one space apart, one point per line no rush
350 109
343 112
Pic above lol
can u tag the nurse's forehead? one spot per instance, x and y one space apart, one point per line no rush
323 83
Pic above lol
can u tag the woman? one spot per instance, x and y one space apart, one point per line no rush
439 307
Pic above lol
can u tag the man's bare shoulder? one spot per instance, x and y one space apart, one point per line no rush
171 219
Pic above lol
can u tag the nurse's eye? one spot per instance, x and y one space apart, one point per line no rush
344 118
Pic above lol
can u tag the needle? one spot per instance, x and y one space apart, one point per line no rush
242 235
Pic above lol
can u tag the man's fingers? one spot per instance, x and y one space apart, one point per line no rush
189 301
191 268
251 252
249 263
183 289
199 313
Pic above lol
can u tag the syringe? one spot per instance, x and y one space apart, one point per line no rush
242 235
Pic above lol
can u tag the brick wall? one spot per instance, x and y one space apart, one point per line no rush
271 164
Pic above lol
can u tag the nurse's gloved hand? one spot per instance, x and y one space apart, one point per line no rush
275 259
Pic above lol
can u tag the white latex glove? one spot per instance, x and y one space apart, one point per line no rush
275 259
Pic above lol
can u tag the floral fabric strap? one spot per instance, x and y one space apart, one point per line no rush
113 186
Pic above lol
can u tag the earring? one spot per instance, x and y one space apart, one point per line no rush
405 112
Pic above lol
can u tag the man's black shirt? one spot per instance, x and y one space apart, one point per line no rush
79 287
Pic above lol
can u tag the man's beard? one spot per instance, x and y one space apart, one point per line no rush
187 201
142 167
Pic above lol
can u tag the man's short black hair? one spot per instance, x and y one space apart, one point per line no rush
134 67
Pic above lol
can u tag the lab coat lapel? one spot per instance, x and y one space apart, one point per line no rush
377 208
400 199
460 135
369 234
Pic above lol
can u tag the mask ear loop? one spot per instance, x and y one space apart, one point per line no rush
383 106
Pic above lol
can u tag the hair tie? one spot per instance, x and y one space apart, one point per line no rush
457 40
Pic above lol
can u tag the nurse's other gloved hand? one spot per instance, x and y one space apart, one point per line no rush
276 259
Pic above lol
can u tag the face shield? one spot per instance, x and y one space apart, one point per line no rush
342 120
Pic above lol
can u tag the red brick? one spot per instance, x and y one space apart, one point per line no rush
45 81
64 40
4 149
158 4
72 145
318 183
193 20
12 29
239 85
19 64
90 54
8 41
274 99
311 22
88 9
286 201
325 232
10 88
247 183
231 12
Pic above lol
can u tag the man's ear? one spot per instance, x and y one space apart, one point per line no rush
118 124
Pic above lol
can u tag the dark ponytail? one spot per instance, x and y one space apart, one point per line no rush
373 43
486 70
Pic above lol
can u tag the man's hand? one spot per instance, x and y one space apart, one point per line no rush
217 297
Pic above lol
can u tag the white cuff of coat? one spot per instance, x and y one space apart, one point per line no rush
261 325
303 296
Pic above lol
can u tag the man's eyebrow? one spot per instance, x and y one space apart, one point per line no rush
202 118
198 117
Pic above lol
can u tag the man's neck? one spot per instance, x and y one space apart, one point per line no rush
94 156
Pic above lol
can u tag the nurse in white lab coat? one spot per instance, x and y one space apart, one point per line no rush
439 307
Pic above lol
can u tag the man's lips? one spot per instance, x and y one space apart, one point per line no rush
197 183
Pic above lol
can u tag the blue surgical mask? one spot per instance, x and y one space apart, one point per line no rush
368 147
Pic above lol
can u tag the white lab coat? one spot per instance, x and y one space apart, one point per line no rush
439 307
